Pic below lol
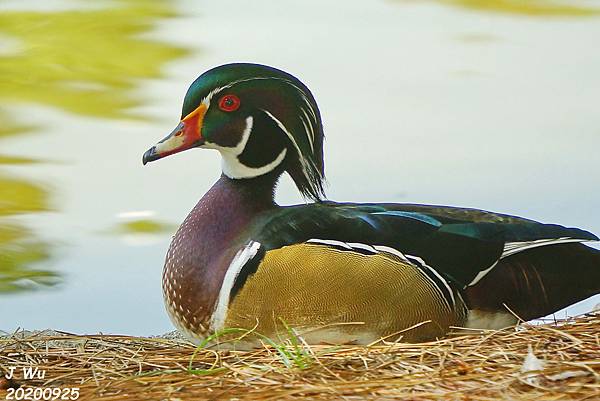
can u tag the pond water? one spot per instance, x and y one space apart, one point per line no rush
487 104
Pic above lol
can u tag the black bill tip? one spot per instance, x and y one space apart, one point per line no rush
150 155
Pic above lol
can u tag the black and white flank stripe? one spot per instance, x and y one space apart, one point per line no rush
436 279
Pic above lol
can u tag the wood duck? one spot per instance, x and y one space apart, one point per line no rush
341 272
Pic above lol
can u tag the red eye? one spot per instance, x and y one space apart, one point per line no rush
229 103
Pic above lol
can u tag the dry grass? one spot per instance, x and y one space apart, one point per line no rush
483 366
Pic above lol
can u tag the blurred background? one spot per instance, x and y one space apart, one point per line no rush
488 104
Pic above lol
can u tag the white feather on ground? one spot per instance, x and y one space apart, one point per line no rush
532 367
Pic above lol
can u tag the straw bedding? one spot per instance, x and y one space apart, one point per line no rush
556 361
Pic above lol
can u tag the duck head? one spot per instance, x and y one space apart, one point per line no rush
262 120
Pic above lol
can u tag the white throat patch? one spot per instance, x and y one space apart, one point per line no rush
231 165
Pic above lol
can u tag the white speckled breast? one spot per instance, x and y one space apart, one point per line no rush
202 250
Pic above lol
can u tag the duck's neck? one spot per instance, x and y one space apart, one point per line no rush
230 202
207 241
225 211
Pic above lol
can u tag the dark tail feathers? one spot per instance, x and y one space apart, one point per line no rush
540 281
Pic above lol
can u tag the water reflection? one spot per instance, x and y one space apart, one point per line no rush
87 62
20 196
141 228
143 232
538 8
20 248
145 226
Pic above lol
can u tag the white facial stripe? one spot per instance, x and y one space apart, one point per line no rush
233 168
239 148
303 160
284 129
231 165
309 119
208 98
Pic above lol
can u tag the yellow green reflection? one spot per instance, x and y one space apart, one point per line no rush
16 160
19 249
539 8
144 226
88 62
84 61
8 127
20 196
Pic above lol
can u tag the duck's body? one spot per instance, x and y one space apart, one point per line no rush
341 272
